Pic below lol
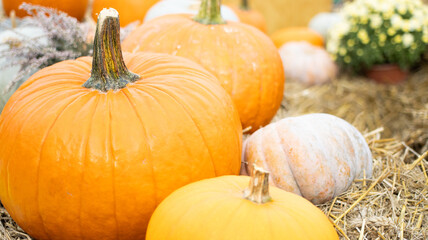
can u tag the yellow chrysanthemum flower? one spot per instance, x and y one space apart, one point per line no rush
398 39
391 31
382 37
425 38
347 59
363 36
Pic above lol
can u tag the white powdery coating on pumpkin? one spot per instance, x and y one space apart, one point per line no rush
316 155
307 63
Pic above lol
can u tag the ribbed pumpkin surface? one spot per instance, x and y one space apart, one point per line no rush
215 209
244 60
77 163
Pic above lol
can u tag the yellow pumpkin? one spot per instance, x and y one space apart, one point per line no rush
224 208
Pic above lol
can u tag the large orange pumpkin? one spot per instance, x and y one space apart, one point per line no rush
130 10
93 161
74 8
297 34
243 58
224 208
250 16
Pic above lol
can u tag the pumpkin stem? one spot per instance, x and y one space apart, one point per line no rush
109 71
244 5
210 13
258 191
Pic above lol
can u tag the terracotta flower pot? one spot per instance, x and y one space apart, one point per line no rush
387 73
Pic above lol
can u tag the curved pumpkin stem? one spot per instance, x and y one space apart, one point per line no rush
258 191
109 71
210 13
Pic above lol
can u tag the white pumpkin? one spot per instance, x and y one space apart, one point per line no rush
165 7
9 73
324 21
307 63
316 156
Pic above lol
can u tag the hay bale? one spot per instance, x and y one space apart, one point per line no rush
401 109
394 203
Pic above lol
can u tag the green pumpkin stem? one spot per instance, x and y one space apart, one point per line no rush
210 13
244 5
258 191
109 71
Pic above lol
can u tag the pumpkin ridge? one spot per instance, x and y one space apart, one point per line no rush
179 220
260 98
357 169
27 88
26 121
47 92
151 38
84 166
321 165
57 69
183 28
350 161
19 110
194 122
132 103
328 168
206 89
265 166
282 148
198 203
233 213
256 139
278 91
41 158
258 44
113 159
288 215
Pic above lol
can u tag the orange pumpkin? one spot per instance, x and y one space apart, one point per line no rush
317 156
223 208
74 8
297 34
130 10
249 16
244 59
91 159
